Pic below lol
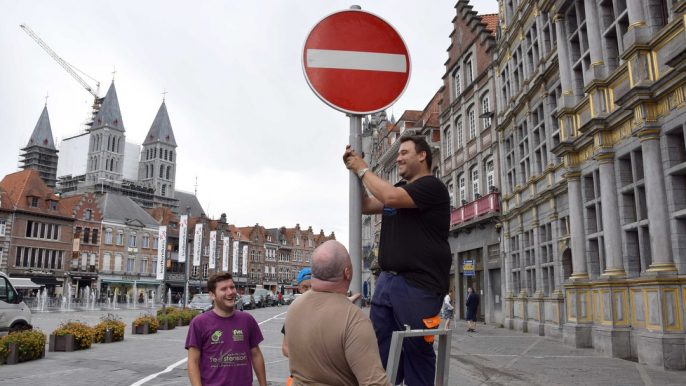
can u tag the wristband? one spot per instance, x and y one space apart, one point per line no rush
361 173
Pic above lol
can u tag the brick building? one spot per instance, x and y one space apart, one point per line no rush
85 253
41 230
591 115
469 159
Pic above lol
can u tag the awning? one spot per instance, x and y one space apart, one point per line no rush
43 281
137 282
21 283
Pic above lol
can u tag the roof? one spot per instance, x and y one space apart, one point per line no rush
491 21
410 115
122 209
187 200
71 202
109 114
5 200
20 185
42 133
161 129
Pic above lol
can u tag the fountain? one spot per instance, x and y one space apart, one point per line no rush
128 300
114 299
135 293
92 301
152 299
169 298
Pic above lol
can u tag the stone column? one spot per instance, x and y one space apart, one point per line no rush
563 55
595 48
576 225
537 259
612 233
635 11
656 201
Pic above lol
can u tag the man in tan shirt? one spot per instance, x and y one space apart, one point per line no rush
330 340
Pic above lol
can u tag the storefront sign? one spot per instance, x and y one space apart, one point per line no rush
161 249
468 267
131 277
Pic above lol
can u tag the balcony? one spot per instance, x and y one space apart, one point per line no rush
474 209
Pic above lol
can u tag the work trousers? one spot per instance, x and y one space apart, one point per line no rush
395 304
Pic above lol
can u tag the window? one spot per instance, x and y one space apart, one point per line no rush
448 135
155 242
108 236
120 238
472 125
309 242
2 227
153 266
144 266
195 271
458 84
463 189
475 182
53 205
458 132
87 214
297 240
130 263
94 239
87 235
106 262
205 270
164 189
34 202
146 241
161 171
132 241
490 174
168 171
252 255
485 106
117 262
470 72
451 192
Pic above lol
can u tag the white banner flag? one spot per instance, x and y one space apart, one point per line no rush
225 255
197 245
235 257
183 235
245 260
273 270
161 252
213 248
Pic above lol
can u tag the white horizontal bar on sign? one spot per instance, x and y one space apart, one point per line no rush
356 60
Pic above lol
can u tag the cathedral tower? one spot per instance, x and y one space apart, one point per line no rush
40 153
107 142
157 166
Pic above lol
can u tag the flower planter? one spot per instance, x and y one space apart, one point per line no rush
166 325
142 329
108 336
13 357
65 343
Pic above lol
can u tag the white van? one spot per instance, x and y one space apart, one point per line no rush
14 313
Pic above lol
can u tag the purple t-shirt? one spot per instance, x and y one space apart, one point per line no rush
224 344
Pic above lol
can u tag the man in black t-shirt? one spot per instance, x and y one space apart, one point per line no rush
414 254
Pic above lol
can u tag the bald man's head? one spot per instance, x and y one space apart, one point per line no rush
331 263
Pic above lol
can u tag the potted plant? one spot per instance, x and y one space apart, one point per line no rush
21 346
70 336
167 321
145 324
110 329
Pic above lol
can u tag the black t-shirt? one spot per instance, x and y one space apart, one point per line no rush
414 241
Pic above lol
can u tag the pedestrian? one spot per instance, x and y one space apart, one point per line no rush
331 340
304 280
472 305
223 344
448 310
280 298
414 254
140 298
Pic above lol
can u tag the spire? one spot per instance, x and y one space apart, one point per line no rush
42 133
161 129
109 114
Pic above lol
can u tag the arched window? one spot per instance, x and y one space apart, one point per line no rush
165 154
146 171
164 189
168 171
161 171
170 156
458 132
112 165
463 189
472 124
475 181
490 174
108 142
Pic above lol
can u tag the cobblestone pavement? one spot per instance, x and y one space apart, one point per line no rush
491 356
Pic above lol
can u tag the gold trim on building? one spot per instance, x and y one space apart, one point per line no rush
614 272
636 24
662 267
598 63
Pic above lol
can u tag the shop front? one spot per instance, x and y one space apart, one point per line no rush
131 285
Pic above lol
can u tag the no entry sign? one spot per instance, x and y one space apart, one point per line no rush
356 62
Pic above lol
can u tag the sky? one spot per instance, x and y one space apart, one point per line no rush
262 146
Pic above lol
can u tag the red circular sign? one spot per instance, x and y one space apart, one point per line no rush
356 62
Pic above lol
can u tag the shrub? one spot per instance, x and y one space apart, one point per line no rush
153 324
83 333
170 318
170 311
110 322
31 342
188 315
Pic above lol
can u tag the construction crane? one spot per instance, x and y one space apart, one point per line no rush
70 69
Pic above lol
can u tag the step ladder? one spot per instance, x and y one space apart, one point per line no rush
442 359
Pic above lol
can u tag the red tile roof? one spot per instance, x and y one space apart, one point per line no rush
491 21
27 183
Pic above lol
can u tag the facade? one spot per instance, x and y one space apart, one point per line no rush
85 253
469 160
128 248
591 117
5 229
40 153
40 230
157 167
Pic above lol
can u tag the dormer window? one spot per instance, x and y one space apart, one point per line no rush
257 239
53 205
269 238
34 202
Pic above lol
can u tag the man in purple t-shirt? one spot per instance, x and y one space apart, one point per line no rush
223 344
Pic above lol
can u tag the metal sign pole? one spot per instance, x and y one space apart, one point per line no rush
355 227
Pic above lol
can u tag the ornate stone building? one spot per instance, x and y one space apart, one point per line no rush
591 118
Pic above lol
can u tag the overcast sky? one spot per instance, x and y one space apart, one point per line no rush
263 147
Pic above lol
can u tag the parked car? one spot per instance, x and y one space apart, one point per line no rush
14 313
288 299
248 302
201 302
263 300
